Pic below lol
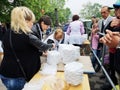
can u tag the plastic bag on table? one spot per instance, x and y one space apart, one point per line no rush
53 57
74 73
69 53
49 69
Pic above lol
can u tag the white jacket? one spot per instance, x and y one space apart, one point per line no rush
64 40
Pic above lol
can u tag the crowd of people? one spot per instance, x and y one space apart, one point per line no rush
105 45
23 44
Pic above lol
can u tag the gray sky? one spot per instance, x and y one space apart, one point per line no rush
76 5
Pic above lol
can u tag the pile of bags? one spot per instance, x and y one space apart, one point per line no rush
69 53
73 73
66 53
53 57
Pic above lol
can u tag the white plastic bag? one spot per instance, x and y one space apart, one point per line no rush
53 57
69 53
49 69
46 83
74 73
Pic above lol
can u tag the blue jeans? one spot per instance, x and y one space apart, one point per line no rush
13 83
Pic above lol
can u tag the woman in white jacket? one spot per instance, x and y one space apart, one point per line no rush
58 37
75 30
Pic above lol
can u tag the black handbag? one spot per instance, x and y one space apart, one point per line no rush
17 59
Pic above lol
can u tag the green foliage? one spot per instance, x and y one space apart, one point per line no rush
90 9
64 16
112 12
5 8
39 7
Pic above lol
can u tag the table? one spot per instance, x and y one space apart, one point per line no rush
84 86
87 65
85 60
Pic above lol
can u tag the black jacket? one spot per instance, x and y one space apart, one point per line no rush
27 50
37 31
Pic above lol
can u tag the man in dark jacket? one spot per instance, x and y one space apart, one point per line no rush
112 38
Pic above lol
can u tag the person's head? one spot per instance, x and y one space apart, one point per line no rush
93 18
75 17
117 8
105 12
22 19
45 22
58 35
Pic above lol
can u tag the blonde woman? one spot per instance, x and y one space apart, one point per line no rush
59 37
21 47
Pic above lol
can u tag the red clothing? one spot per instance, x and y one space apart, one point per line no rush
112 50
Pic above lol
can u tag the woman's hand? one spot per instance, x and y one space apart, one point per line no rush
45 54
53 45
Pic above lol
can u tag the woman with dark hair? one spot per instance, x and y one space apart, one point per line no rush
42 25
75 17
75 30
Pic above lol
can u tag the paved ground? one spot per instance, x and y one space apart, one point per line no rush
95 81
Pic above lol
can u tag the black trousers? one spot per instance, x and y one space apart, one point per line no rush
117 60
112 68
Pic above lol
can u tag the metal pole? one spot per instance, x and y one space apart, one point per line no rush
108 77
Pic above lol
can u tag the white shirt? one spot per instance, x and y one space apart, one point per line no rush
66 39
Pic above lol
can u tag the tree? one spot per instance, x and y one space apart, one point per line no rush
90 10
39 7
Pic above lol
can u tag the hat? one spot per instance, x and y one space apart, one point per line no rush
117 4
